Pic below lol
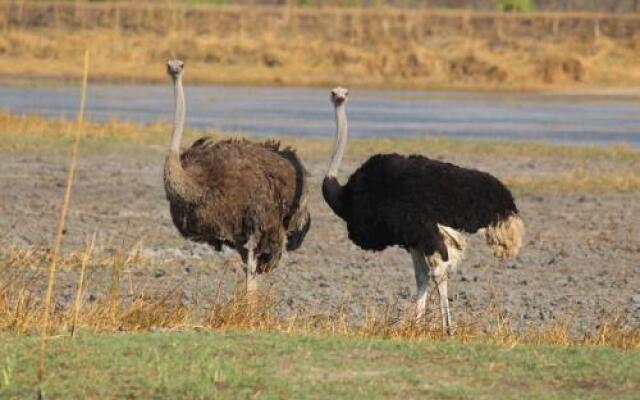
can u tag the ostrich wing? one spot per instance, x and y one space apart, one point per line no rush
298 219
461 198
397 200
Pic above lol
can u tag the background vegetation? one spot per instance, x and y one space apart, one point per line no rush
524 5
515 6
291 45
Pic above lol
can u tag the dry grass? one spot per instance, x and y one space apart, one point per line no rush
27 132
578 181
23 270
34 128
391 48
592 169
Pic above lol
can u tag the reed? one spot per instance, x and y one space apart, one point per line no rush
63 213
80 287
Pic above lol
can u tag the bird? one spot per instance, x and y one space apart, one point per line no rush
249 196
425 206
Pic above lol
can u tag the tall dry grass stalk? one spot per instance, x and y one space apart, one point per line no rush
63 214
80 287
114 288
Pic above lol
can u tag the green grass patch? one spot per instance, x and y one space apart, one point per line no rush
231 364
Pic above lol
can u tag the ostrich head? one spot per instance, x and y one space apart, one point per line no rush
339 95
175 68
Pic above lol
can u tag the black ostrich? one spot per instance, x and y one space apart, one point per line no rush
423 205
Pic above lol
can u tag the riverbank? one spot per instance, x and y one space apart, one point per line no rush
461 63
281 46
575 119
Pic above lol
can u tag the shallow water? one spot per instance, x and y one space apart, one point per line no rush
573 119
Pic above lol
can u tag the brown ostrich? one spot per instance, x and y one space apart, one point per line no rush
249 196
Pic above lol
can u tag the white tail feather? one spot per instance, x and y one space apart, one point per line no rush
505 237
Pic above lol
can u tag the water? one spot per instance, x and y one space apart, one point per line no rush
267 111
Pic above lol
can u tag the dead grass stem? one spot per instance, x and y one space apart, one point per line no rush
80 286
63 214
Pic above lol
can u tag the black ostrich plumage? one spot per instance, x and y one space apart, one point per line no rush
400 200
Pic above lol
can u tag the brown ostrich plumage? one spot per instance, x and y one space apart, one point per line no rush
248 189
249 196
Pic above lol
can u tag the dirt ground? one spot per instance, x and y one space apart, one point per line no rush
580 261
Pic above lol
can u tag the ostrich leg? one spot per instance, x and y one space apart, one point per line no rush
440 278
252 275
421 269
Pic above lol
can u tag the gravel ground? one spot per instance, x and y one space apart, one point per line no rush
581 258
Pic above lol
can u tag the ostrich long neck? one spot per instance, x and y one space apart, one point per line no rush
177 181
340 142
178 121
331 189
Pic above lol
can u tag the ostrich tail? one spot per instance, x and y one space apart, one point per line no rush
296 237
505 236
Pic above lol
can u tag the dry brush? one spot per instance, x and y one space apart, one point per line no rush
323 46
